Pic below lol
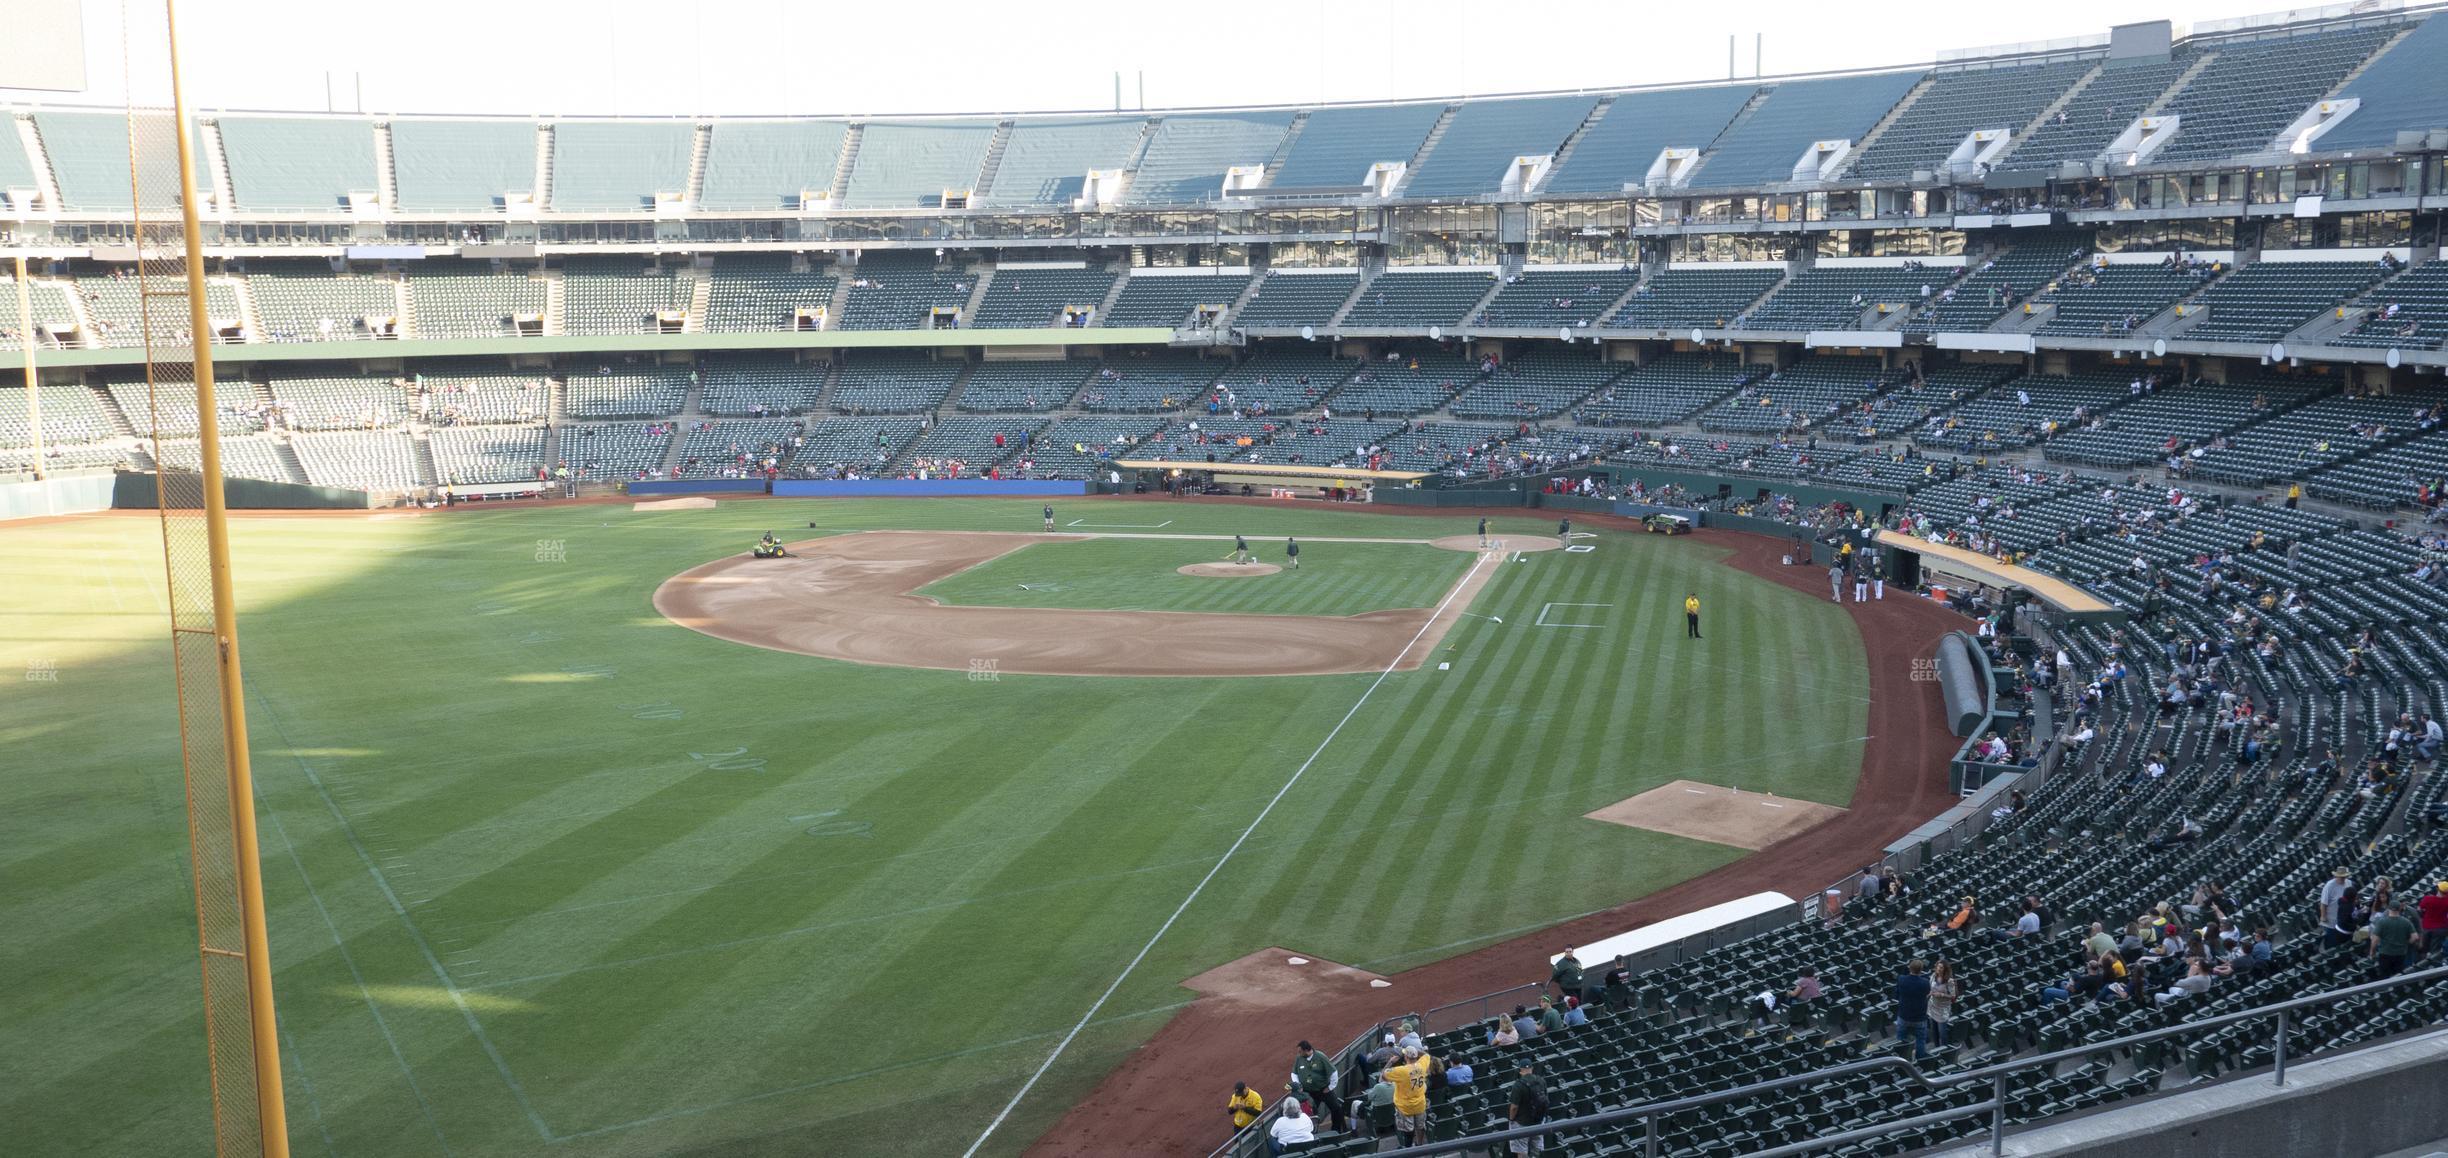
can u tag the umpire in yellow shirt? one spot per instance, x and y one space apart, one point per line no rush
1691 615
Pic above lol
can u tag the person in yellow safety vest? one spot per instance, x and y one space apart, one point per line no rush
1691 614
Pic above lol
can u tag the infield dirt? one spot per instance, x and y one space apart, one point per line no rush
851 597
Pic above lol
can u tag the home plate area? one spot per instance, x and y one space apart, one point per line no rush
1717 814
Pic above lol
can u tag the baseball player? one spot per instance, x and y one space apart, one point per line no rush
1860 567
1292 552
1240 551
1564 532
1836 582
1878 574
1483 539
1049 516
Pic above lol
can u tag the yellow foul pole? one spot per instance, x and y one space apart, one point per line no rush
225 627
25 342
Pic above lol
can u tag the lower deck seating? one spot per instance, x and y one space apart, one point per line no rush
1668 388
71 414
2171 420
737 449
487 454
615 450
1032 386
251 456
834 447
1074 448
1279 381
1407 382
888 382
1534 385
1149 383
759 384
374 461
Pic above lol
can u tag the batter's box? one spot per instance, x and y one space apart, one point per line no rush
1544 612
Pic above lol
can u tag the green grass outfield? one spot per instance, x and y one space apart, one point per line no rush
550 875
1143 575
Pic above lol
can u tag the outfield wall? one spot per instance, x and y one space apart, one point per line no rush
924 488
70 495
136 490
697 486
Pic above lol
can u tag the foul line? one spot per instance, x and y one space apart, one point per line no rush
1195 890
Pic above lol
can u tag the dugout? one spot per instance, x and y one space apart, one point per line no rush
1913 560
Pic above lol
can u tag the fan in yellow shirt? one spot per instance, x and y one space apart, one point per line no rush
1410 1079
1245 1105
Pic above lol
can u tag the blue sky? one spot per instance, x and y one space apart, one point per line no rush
779 56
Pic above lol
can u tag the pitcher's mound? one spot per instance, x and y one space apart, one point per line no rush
1270 977
1228 570
1498 542
696 504
1716 814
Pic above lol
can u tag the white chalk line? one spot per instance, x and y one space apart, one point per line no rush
1161 930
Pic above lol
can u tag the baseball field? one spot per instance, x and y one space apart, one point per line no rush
583 835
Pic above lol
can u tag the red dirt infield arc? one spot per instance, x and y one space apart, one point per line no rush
1165 1096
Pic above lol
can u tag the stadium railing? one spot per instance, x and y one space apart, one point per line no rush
1999 1078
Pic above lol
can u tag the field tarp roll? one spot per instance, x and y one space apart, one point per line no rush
1960 674
648 488
924 488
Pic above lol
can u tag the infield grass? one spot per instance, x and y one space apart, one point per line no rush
550 875
1144 575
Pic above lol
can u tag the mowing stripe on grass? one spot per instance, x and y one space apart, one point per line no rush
1195 890
350 959
432 960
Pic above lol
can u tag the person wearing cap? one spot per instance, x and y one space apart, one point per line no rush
2432 914
1526 1105
1244 1106
1619 985
2332 909
2392 939
1292 1127
1550 1019
1409 1036
1385 1054
1566 976
1410 1078
1313 1077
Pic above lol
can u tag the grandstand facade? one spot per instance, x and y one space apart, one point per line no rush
2254 199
